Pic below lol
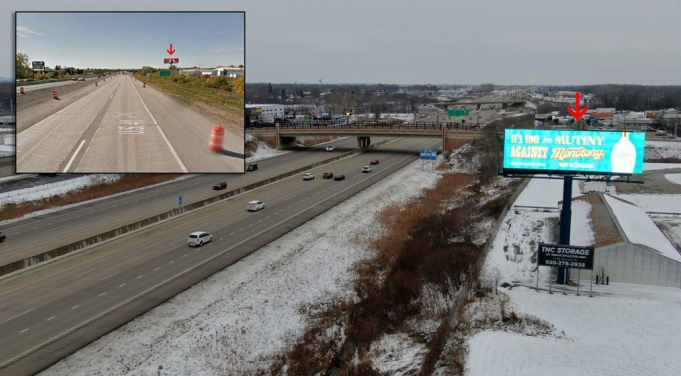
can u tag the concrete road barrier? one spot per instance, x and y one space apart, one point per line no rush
122 230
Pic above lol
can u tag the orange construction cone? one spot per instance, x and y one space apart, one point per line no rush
216 136
21 90
54 94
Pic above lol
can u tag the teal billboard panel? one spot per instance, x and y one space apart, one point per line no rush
594 152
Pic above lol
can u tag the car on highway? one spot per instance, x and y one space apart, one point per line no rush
366 169
308 176
339 177
255 205
252 167
3 237
199 238
81 79
327 175
73 78
220 185
330 148
374 162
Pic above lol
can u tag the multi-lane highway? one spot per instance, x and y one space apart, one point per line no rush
125 127
54 85
34 235
49 312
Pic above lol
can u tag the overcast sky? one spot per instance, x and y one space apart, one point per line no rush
131 40
444 41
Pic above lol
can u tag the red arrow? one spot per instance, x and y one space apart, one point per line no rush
171 51
577 113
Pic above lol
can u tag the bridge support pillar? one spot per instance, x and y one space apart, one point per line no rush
363 142
444 139
283 142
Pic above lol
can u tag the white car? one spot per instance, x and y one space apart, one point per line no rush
330 148
255 205
308 176
366 169
199 238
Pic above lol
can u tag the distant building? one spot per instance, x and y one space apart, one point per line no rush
265 113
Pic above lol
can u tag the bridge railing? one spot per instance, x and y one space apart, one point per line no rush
369 126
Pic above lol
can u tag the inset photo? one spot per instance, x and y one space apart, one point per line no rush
130 92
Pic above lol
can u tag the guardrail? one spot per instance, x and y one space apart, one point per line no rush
663 214
370 126
138 225
544 209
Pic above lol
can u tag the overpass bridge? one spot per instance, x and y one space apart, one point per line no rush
283 136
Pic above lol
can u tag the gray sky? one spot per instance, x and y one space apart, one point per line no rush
428 41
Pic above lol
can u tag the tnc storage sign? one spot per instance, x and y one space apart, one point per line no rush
567 256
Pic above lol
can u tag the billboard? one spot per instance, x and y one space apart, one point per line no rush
568 256
567 151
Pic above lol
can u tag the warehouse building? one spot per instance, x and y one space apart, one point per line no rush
629 247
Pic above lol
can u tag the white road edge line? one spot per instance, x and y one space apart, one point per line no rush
14 317
117 306
172 150
73 157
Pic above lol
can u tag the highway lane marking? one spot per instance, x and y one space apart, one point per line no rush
185 255
2 305
221 238
241 229
267 217
140 276
172 150
76 306
231 233
156 269
14 317
250 225
50 318
25 330
83 273
102 294
121 285
176 247
149 246
96 317
73 157
174 260
109 276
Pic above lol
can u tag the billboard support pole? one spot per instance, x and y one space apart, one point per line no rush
537 286
565 218
591 285
578 279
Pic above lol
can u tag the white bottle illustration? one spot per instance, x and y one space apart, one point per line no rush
623 157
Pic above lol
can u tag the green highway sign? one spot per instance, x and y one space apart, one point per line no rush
464 112
165 72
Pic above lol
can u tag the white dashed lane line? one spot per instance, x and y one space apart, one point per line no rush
76 306
50 318
25 330
140 277
174 260
121 285
14 317
156 269
109 276
83 273
102 294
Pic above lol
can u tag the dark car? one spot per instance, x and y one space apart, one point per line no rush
328 175
220 185
374 162
2 237
339 177
252 167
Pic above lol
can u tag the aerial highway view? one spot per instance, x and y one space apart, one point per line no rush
125 115
440 188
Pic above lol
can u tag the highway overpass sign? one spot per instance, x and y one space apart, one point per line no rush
463 112
428 155
165 73
38 65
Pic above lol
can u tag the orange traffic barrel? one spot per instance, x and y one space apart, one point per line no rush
144 84
216 136
54 94
21 90
96 84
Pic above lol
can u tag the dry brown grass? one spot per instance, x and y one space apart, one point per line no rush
125 183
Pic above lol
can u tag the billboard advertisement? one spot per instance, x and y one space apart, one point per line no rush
567 151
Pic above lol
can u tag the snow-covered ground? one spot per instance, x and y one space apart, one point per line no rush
667 203
660 166
49 190
236 321
662 149
674 178
263 151
625 330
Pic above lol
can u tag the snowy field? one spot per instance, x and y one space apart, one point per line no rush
236 321
48 190
662 149
667 203
625 330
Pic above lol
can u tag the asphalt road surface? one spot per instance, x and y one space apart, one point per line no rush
124 127
56 84
32 236
49 312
